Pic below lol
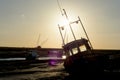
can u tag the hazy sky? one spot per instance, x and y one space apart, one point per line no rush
21 22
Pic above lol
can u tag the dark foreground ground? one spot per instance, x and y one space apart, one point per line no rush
39 71
43 71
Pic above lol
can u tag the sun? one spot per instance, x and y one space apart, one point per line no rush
63 22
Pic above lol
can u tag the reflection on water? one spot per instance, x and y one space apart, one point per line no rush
39 58
11 59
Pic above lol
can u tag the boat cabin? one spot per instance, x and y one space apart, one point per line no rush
76 46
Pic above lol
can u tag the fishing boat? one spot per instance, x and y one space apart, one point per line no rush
82 57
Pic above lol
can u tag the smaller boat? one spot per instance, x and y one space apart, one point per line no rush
26 56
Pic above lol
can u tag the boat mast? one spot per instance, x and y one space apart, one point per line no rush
69 24
64 13
85 32
61 34
61 27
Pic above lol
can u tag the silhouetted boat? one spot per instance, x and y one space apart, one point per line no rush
81 57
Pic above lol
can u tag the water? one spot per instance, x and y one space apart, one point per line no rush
39 58
11 59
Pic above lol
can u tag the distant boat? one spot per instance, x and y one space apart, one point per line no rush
24 56
15 56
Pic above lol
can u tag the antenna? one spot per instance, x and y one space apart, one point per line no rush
60 7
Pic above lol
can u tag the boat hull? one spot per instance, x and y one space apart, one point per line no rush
85 62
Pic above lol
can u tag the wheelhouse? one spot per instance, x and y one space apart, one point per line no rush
76 46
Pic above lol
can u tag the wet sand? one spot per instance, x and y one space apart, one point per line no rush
44 71
35 72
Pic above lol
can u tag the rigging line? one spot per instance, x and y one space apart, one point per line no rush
67 39
85 31
44 42
60 7
65 34
38 40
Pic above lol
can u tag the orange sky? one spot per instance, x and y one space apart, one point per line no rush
21 22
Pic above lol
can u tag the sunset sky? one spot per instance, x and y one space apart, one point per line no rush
22 21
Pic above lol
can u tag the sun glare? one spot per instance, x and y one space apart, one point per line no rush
64 22
66 25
